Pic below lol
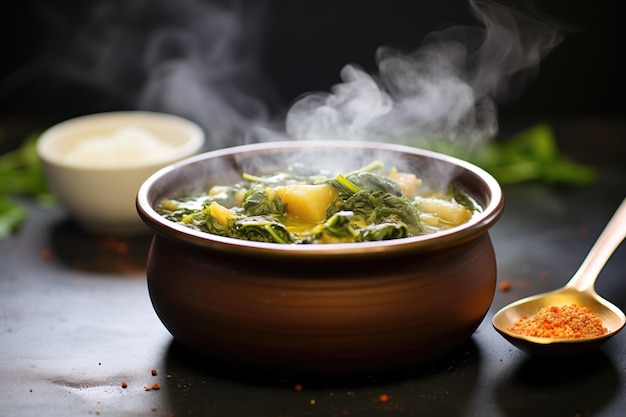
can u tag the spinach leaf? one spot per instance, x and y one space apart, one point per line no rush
257 203
339 225
371 181
343 226
260 229
380 207
383 231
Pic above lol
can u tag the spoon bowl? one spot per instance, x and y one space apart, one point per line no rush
580 291
612 318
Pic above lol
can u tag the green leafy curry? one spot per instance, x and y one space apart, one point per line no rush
304 205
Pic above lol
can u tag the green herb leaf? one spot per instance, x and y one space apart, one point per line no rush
12 215
21 174
530 155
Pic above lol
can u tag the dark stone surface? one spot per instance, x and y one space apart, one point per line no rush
76 320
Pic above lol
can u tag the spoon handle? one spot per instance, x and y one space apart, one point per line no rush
609 240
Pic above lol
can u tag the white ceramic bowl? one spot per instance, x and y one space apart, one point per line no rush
95 164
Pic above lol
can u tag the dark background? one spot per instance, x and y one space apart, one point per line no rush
287 48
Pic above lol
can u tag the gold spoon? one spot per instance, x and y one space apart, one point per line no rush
580 291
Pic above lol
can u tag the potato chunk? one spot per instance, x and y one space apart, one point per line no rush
408 182
221 213
447 211
306 201
170 205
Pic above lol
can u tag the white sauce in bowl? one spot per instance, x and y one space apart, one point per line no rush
124 145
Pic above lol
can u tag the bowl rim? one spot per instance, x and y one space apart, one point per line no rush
194 133
473 228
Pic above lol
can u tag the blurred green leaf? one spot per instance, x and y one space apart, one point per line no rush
530 155
21 174
12 215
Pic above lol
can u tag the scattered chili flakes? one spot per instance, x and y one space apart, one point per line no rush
115 244
505 286
124 384
46 254
168 376
153 372
298 387
383 398
156 386
561 322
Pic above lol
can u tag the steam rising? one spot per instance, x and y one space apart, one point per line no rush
198 59
193 58
445 89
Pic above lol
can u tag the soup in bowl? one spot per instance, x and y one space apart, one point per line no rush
320 308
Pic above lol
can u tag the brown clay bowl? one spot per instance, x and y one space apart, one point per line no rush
333 309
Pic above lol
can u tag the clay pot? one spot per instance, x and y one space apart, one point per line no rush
350 308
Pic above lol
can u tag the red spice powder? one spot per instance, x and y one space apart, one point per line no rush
561 322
